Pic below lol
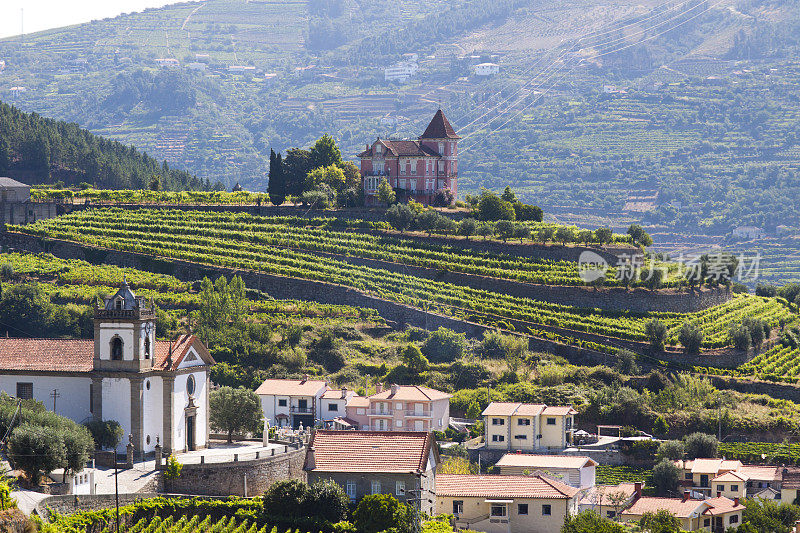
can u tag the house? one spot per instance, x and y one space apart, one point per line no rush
699 473
499 504
527 427
292 402
14 191
768 494
731 484
416 169
167 62
749 232
486 69
401 408
333 404
609 500
155 389
401 71
790 484
400 463
575 471
714 514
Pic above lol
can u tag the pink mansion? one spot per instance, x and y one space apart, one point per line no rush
414 168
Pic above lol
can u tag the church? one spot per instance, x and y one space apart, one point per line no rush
156 389
417 168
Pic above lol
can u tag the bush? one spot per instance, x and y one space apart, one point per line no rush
327 501
316 199
666 477
467 227
491 207
495 345
740 338
36 450
504 229
381 512
443 198
701 445
626 362
672 450
286 499
444 345
105 433
656 332
691 337
400 217
590 522
528 212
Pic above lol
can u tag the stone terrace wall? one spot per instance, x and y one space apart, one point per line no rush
226 479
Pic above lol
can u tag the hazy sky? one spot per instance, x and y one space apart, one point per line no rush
46 14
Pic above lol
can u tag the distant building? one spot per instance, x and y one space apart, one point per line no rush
500 504
333 404
713 514
599 498
749 232
14 191
167 62
196 65
528 427
486 69
401 71
241 69
401 408
16 206
574 470
402 464
291 402
416 169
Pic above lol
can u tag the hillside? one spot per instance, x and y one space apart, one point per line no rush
39 150
649 105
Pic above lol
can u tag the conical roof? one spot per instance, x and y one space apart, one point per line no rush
439 128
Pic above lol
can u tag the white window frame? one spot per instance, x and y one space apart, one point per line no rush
351 490
375 487
400 488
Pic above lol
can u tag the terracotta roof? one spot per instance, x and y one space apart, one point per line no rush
761 473
494 486
402 148
334 394
790 478
722 505
545 461
526 409
709 466
291 387
397 452
675 506
439 128
731 475
57 355
358 401
599 494
411 393
77 355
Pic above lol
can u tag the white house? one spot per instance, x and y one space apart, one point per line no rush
156 389
401 71
291 402
749 232
575 471
486 69
334 404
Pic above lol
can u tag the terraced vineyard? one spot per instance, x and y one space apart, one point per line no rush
778 363
761 452
190 525
270 246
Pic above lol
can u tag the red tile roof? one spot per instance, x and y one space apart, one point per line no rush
494 486
411 393
528 460
723 505
405 148
439 128
526 409
77 355
396 452
675 506
291 387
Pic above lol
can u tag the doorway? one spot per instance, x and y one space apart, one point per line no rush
190 432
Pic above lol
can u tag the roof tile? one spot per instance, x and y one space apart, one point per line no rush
494 486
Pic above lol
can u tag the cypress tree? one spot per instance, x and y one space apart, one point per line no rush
279 195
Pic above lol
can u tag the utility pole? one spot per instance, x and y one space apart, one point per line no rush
55 395
116 487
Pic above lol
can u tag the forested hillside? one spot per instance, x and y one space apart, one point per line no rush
690 103
41 150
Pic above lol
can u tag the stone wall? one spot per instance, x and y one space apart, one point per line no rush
230 478
73 503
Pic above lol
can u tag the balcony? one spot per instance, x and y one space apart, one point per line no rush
376 173
380 412
413 413
301 410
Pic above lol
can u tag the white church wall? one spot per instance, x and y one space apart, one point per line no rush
125 332
73 401
153 410
181 401
117 405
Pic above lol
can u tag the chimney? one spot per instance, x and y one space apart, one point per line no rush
637 490
344 392
686 495
305 378
395 388
719 494
378 388
736 501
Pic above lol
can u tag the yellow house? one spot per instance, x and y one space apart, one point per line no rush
699 473
713 514
731 484
527 427
503 504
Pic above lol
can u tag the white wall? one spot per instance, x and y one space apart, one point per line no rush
180 400
73 402
117 406
124 331
153 412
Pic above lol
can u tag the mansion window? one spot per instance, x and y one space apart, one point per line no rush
734 519
376 487
351 490
400 488
522 508
521 437
25 391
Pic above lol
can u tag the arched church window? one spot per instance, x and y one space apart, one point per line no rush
116 349
147 347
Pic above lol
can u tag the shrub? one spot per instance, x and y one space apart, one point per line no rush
691 337
671 450
413 359
400 217
381 512
444 345
666 477
656 332
740 337
467 227
660 426
443 198
495 345
626 362
492 207
701 445
287 498
106 433
589 521
36 450
327 501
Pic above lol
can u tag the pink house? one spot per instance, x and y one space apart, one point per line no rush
414 168
400 408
